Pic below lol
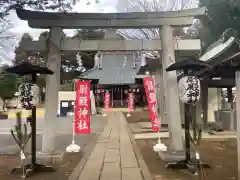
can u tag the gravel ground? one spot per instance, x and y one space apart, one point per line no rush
64 134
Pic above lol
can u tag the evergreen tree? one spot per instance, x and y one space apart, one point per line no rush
221 15
8 85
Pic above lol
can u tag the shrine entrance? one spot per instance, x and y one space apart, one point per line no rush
119 96
56 43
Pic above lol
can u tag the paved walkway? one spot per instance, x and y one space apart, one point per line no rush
113 157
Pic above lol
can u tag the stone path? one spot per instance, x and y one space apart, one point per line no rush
113 157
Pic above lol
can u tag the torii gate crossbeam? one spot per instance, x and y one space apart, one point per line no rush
110 20
112 45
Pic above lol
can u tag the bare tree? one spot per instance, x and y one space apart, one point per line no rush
4 26
58 5
7 40
156 6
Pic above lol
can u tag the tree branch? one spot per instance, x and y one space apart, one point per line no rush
156 6
40 5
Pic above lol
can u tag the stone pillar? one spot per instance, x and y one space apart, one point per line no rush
219 94
52 88
158 93
162 98
171 89
212 104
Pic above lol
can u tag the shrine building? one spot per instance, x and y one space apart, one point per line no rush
117 73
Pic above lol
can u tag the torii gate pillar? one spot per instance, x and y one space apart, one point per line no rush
171 90
52 88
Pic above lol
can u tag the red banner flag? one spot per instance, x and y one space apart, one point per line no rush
107 101
151 98
130 102
82 107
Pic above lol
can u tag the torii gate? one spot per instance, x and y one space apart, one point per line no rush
58 21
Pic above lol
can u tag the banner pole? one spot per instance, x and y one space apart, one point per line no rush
159 146
73 126
73 147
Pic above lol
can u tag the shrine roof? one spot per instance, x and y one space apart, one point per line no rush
109 20
221 53
225 46
223 58
114 71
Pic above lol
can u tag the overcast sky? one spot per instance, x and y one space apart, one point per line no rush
106 6
20 27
